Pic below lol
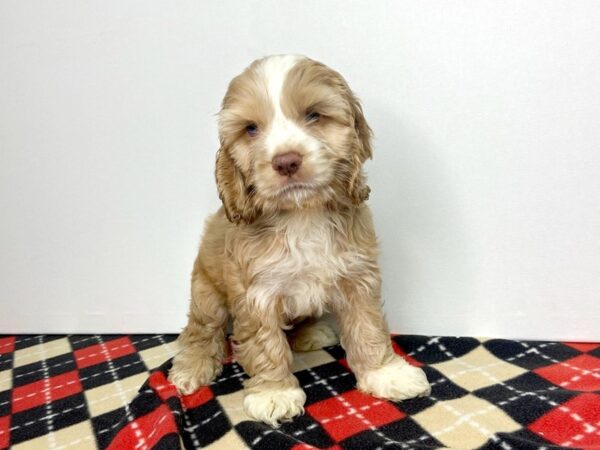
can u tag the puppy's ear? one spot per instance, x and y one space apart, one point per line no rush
233 192
358 189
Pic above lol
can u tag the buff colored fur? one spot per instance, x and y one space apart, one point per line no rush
283 250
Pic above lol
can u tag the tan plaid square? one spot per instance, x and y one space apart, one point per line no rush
113 395
233 406
5 380
477 369
465 423
80 437
230 441
41 351
307 360
155 356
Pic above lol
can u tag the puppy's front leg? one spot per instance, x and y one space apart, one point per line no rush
272 394
365 337
202 341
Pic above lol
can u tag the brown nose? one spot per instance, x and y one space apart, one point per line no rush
287 164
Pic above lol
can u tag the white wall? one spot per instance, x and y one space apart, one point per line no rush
486 177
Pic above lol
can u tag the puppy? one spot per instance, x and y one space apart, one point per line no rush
293 240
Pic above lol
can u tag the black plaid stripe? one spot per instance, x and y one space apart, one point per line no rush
39 370
35 422
530 355
5 403
405 434
169 442
205 424
146 341
25 341
336 351
441 389
520 440
263 437
6 359
230 380
428 350
308 430
319 381
81 341
106 426
109 372
526 397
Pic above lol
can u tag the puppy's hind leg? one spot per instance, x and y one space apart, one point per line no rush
202 341
313 334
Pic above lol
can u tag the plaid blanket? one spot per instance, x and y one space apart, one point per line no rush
82 392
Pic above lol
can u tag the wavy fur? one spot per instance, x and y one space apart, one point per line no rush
286 248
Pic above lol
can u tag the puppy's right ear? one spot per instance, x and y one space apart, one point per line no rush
233 192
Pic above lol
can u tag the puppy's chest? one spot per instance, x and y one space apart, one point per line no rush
302 267
307 257
304 257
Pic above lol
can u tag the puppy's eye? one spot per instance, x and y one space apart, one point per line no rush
252 129
312 116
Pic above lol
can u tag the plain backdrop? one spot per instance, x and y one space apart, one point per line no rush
485 180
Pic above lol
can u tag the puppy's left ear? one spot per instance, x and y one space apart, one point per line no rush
358 189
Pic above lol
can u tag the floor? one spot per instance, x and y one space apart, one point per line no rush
89 392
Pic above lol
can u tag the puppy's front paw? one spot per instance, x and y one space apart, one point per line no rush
273 406
190 371
397 380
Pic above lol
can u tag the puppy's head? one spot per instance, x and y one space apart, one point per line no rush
292 135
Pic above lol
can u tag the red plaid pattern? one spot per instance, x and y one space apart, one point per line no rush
4 431
106 351
352 412
581 373
7 344
84 392
575 423
146 431
45 391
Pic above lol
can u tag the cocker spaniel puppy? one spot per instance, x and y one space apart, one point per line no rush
293 241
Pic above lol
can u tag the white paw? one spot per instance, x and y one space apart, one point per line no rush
189 373
397 380
275 405
314 337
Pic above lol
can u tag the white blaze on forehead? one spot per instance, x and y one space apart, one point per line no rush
283 132
275 69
